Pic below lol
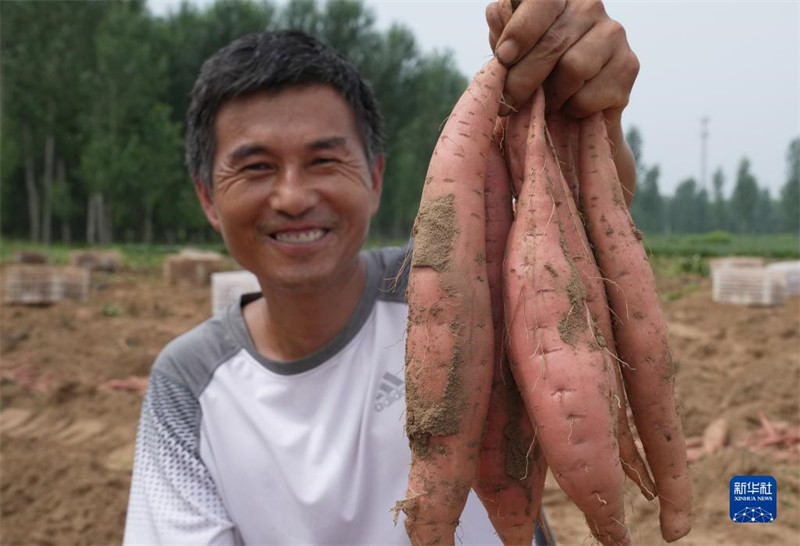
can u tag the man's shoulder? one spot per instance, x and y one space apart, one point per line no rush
191 358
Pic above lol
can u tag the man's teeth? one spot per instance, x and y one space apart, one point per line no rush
306 236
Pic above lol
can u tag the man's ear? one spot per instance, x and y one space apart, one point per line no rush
207 201
376 179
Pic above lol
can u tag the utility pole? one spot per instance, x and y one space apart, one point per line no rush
703 144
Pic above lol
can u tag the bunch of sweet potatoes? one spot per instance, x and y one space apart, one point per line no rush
534 324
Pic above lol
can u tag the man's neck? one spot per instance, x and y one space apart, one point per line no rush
287 326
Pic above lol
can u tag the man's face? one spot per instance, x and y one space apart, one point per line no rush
293 191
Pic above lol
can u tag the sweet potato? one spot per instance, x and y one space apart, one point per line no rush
562 372
565 133
516 137
639 327
449 344
512 470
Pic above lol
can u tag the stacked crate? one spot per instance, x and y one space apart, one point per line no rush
745 286
229 286
735 261
44 284
747 281
192 267
787 275
97 260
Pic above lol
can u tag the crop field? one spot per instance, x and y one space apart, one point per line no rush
72 375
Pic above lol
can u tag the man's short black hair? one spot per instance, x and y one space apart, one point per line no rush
271 62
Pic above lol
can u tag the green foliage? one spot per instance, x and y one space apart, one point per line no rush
694 264
745 195
107 84
717 237
111 310
648 206
719 215
689 209
790 193
119 128
137 256
719 243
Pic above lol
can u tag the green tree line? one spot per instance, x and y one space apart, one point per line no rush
749 208
94 96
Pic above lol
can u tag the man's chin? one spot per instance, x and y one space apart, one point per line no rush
302 280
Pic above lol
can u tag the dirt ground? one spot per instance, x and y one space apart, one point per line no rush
67 434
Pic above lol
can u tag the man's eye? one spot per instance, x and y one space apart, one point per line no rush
257 167
323 161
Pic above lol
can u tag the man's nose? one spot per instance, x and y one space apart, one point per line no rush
293 194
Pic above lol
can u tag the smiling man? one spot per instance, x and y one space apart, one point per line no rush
293 195
280 420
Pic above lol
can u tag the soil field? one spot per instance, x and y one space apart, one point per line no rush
69 409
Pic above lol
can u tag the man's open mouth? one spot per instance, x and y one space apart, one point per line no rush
300 236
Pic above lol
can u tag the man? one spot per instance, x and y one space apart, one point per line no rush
280 421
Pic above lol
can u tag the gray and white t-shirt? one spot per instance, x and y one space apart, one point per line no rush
234 448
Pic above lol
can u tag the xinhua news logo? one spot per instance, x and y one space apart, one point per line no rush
753 499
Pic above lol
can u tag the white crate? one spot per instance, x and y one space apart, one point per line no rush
229 286
735 261
745 286
787 274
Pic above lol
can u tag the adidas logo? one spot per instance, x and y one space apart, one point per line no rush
390 390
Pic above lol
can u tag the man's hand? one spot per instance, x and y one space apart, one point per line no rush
579 54
573 47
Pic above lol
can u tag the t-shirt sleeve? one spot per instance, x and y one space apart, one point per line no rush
173 497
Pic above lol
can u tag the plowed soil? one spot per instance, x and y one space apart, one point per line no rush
68 420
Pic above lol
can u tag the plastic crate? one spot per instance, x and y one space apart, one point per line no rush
97 260
229 286
193 268
745 286
787 275
735 261
45 284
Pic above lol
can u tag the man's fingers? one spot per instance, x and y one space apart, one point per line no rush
581 63
572 47
557 41
528 24
494 19
610 89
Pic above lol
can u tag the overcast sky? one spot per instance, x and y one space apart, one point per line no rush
735 62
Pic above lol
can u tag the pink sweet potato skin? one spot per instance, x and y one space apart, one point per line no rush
562 374
640 330
512 469
449 344
515 140
565 133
